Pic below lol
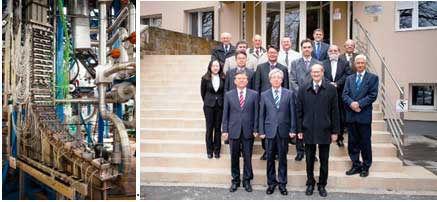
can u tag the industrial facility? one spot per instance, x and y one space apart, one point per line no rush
68 99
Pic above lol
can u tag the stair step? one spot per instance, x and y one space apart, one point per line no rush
153 60
377 136
380 164
411 178
155 122
195 146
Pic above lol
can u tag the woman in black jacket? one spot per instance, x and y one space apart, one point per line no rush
212 91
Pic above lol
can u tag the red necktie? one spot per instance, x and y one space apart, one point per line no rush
241 99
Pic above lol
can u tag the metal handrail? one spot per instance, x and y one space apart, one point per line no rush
379 55
394 121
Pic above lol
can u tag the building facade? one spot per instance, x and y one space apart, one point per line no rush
404 34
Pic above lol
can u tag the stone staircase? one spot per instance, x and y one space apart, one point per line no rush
173 151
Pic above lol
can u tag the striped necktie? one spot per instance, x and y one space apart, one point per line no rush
241 99
277 99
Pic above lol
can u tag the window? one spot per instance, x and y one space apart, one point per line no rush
202 24
423 96
416 15
152 21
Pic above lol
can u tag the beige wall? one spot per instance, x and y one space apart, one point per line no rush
410 54
174 17
339 27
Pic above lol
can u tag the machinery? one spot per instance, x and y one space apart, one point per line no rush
69 96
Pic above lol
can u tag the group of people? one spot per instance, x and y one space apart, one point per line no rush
284 97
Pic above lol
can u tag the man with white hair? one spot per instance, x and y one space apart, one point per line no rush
349 54
336 71
258 51
360 91
224 50
277 123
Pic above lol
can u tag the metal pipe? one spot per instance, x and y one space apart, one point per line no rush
131 18
113 39
121 16
102 33
83 101
129 66
120 137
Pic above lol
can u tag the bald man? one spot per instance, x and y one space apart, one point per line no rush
258 51
349 54
224 50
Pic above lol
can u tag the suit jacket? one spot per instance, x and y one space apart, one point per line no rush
323 51
209 96
236 118
230 63
318 114
351 61
365 96
299 75
280 121
218 53
262 81
229 82
343 70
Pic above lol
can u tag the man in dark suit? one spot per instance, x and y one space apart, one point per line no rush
224 50
318 124
336 71
349 54
240 125
241 58
299 76
320 51
360 91
262 81
277 123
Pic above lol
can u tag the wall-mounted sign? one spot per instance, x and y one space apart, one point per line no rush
337 14
373 10
401 106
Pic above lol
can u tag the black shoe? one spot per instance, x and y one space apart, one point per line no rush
270 189
292 141
233 187
247 186
210 156
263 157
299 157
340 143
310 190
283 190
226 141
322 191
364 173
353 171
316 159
276 157
217 156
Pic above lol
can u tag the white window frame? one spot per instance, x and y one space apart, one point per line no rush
422 108
199 21
415 16
151 18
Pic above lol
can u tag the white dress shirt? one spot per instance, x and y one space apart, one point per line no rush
292 55
333 69
215 82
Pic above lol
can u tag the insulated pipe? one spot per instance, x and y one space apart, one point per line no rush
119 137
102 33
121 16
129 66
131 18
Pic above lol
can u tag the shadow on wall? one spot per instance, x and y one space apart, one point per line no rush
157 41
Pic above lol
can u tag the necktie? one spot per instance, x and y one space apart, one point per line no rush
316 88
257 52
318 50
240 70
226 49
358 81
272 67
307 64
241 99
277 99
286 58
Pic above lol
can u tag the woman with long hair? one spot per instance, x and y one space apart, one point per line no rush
212 91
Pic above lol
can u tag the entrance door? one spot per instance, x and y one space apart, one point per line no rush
318 16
